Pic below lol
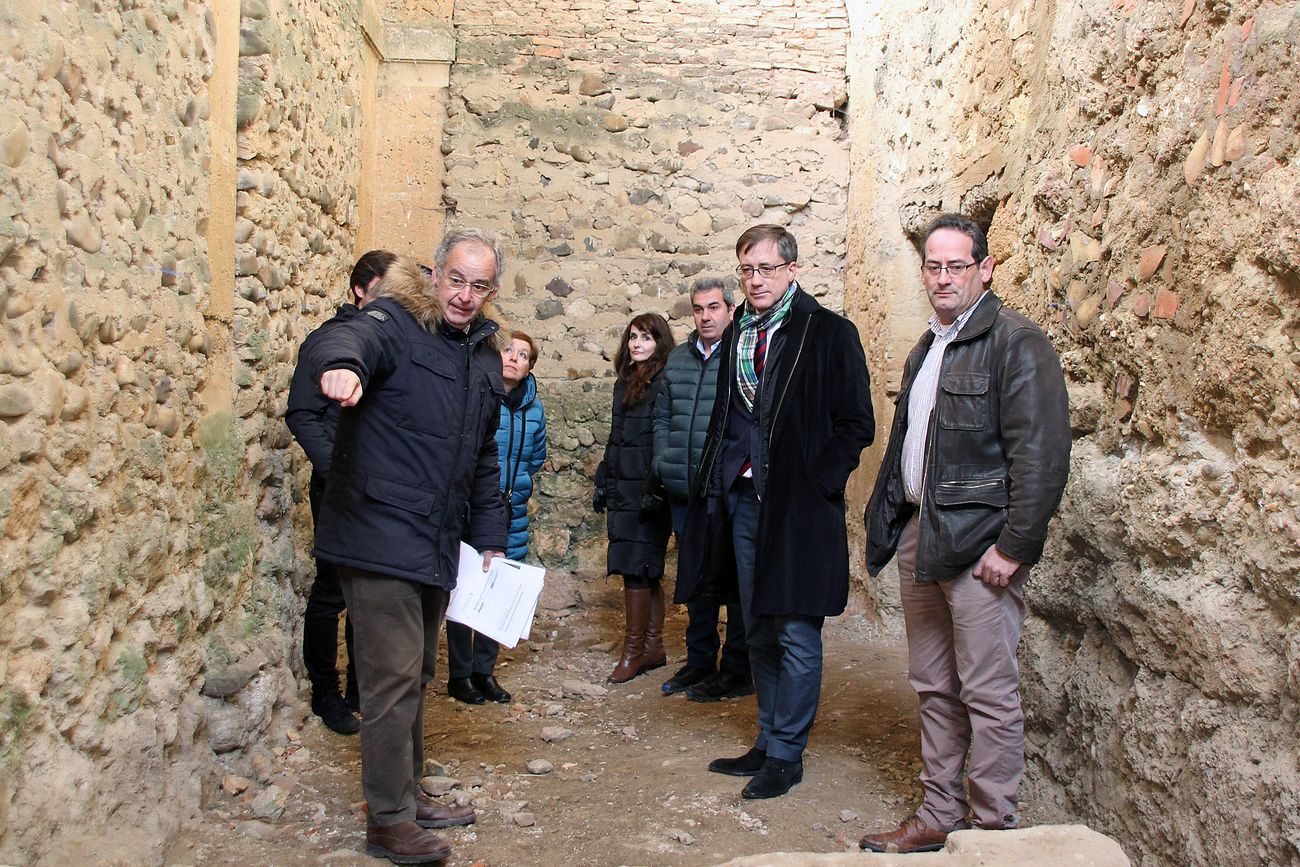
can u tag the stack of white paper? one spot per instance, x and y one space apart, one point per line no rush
499 603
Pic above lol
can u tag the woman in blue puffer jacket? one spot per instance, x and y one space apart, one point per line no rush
521 451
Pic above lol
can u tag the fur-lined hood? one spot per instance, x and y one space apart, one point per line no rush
406 282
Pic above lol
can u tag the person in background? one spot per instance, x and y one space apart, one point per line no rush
682 414
637 522
521 451
312 418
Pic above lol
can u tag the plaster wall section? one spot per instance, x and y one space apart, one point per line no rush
112 472
903 133
1136 164
411 105
619 149
153 503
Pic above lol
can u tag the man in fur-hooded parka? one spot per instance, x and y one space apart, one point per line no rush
414 472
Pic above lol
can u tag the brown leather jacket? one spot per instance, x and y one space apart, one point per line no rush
997 453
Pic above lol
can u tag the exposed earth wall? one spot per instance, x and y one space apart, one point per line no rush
1136 163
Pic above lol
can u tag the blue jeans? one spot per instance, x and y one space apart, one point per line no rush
785 650
702 642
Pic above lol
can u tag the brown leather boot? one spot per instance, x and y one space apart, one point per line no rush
654 632
405 843
430 814
636 608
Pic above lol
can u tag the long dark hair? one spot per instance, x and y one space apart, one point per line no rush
636 376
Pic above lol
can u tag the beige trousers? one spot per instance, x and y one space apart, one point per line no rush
961 644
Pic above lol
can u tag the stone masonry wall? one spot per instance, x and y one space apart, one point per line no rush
151 557
1137 165
619 148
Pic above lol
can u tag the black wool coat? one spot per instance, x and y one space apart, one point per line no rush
638 537
813 426
311 416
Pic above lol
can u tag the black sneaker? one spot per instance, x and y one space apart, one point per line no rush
724 684
335 714
686 677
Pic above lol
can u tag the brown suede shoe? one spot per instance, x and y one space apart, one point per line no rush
430 814
911 836
405 843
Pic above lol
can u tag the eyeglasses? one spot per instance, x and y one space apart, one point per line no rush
745 272
480 290
956 269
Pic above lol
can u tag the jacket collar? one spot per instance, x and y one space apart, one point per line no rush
982 319
693 342
530 392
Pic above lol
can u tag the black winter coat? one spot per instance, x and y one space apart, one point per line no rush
414 469
311 416
638 538
813 426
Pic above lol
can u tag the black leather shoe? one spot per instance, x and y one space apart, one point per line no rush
686 677
741 766
488 686
724 684
335 714
774 779
463 689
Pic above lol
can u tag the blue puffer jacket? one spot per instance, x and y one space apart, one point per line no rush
521 451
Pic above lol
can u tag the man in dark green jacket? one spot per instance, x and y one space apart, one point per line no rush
681 420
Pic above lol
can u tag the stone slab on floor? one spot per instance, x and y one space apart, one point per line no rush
1042 846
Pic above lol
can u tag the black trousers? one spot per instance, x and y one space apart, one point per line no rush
320 622
469 652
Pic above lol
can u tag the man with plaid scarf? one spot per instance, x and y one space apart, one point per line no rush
765 523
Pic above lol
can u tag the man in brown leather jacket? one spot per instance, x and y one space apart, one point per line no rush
975 468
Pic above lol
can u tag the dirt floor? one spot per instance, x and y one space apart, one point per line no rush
629 785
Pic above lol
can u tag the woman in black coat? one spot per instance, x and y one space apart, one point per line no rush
637 519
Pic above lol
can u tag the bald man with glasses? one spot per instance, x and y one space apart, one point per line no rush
414 472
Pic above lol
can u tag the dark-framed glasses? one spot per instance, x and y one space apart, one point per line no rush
954 269
745 271
459 283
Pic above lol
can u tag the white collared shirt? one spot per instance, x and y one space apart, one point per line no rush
920 402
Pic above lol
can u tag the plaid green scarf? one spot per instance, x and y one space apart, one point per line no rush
750 322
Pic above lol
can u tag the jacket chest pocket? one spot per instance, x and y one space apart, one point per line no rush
434 391
963 401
